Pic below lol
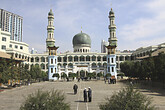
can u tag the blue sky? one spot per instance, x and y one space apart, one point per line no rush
139 22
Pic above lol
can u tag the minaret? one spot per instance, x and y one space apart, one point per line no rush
51 48
111 56
112 28
50 41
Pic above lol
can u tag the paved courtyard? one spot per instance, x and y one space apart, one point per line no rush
12 99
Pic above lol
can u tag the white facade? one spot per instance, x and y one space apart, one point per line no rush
15 48
81 61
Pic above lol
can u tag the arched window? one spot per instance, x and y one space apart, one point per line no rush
37 59
59 59
70 58
51 61
87 58
50 35
65 59
94 65
42 59
112 69
75 58
81 58
55 70
99 58
32 59
93 58
112 60
104 58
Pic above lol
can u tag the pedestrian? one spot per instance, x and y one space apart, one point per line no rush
109 80
105 80
85 95
78 79
89 94
75 87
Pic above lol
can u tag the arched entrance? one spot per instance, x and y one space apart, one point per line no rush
81 73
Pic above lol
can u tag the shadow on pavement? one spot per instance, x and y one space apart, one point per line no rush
146 87
79 101
71 94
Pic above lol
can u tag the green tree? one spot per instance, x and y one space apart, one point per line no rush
99 75
56 75
108 75
90 75
4 71
44 100
64 76
35 72
44 75
127 99
127 68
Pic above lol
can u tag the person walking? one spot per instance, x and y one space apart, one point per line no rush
85 95
89 94
109 80
105 80
75 87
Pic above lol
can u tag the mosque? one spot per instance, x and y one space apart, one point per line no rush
81 61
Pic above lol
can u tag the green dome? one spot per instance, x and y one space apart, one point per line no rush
81 39
50 13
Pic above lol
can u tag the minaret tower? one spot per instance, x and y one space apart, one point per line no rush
51 48
111 56
50 41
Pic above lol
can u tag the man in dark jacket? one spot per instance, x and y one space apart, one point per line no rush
85 95
89 94
75 87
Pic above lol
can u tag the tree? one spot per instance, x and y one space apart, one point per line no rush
90 75
4 71
64 76
99 75
72 75
127 68
56 75
127 99
44 100
108 75
35 72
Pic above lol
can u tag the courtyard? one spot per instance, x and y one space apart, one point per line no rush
11 99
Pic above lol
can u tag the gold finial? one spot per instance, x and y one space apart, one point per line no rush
81 29
111 5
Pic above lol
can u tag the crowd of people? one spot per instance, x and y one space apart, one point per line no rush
86 94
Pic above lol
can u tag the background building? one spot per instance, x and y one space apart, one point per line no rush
103 46
12 23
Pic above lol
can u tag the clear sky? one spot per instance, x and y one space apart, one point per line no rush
139 22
